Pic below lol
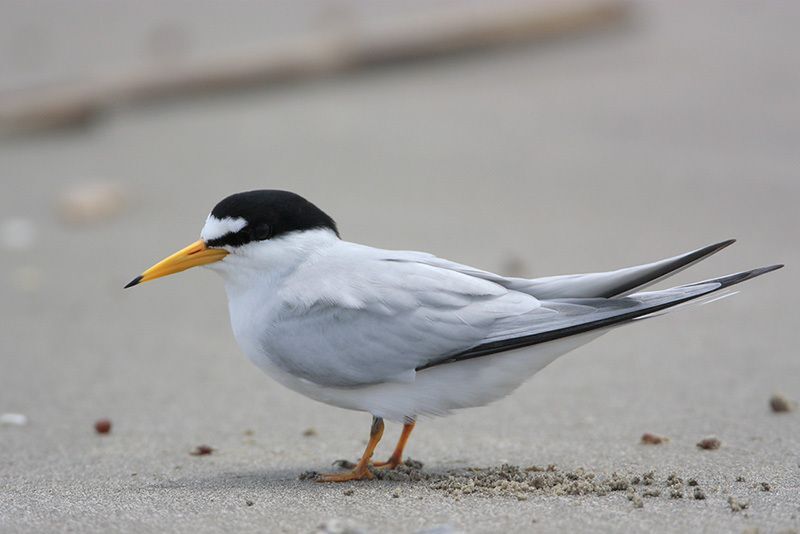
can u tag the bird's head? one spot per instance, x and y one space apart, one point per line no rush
241 229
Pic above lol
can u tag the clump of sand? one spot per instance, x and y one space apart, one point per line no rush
521 482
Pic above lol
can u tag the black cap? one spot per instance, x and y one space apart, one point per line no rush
269 213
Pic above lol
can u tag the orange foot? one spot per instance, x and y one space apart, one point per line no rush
361 472
391 463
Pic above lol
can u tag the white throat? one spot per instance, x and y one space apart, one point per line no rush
260 266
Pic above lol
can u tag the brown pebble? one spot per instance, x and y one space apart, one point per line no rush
699 494
691 482
102 426
309 432
709 444
765 486
781 404
348 492
202 450
652 439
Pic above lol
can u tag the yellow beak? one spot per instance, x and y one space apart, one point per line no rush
195 254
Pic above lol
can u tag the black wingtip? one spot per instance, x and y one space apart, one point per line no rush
736 278
723 244
133 282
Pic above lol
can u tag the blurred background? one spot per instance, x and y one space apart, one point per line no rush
529 138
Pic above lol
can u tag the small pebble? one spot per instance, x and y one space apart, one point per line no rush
651 493
202 450
737 505
637 502
249 433
348 492
91 202
652 439
691 482
781 404
13 419
699 494
765 486
102 426
248 502
740 478
309 432
340 526
395 495
709 444
308 475
676 494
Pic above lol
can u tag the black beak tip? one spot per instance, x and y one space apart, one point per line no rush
134 282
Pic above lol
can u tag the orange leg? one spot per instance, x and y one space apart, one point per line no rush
361 470
397 456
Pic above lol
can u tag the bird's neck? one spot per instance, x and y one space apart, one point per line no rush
261 267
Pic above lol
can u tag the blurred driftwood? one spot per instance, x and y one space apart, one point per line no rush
335 50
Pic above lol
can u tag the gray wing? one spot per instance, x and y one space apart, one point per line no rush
365 316
604 284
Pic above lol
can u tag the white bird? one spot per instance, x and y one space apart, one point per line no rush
401 334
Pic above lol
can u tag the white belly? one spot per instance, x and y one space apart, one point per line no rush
438 390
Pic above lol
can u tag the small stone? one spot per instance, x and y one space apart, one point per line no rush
637 502
781 404
740 478
737 505
308 475
395 495
91 202
102 426
348 492
309 432
413 464
202 450
13 419
765 486
699 494
676 493
674 480
709 444
651 493
691 482
340 526
249 433
248 502
652 439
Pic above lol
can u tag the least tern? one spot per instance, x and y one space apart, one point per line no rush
401 334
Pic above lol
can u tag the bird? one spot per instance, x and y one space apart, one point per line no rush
405 334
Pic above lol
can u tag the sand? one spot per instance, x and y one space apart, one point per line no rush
612 150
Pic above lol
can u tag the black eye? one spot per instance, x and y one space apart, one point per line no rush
261 232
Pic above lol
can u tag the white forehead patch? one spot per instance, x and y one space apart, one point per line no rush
216 228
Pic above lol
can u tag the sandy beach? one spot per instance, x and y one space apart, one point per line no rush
679 130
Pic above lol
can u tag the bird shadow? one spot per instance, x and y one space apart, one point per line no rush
265 479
